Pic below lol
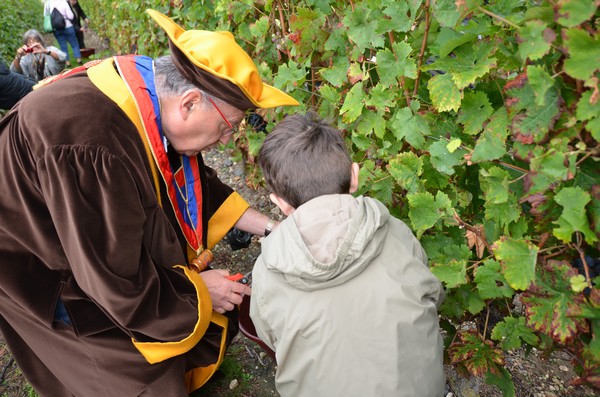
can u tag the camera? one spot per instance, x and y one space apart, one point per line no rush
28 50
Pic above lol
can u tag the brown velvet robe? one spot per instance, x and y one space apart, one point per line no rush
80 221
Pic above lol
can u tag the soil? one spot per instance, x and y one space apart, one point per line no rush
249 372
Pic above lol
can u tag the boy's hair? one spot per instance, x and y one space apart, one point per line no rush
304 157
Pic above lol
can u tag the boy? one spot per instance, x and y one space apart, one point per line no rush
341 292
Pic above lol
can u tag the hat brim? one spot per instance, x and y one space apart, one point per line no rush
269 97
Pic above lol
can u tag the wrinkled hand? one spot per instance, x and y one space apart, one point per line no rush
225 294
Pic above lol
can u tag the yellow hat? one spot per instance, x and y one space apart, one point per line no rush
215 63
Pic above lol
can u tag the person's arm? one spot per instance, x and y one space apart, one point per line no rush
15 65
56 54
81 12
255 222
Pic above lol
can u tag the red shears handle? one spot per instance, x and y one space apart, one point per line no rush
235 277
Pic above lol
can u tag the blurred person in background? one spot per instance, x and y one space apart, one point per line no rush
79 14
36 61
66 35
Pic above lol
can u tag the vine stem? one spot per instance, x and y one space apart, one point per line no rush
476 231
423 45
487 318
280 7
498 17
586 267
581 160
402 81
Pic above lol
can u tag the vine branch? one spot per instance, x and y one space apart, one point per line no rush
498 17
423 45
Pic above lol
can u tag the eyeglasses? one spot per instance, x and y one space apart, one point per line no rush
233 129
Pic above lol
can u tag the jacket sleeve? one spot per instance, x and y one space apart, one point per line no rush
258 302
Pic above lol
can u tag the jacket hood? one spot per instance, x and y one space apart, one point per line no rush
326 241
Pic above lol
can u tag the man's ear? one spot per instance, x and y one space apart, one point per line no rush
189 101
283 205
354 177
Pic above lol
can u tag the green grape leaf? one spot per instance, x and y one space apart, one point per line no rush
425 210
336 74
511 331
371 122
444 94
535 40
490 281
399 20
289 76
362 28
475 110
255 141
540 82
477 355
442 159
353 103
589 308
446 12
392 66
362 142
584 52
552 164
518 259
573 12
468 63
452 274
531 122
573 218
380 99
502 380
382 188
329 94
587 110
449 39
578 283
494 183
491 144
411 127
406 168
453 145
549 301
503 213
461 299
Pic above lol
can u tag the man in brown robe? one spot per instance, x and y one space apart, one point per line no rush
106 201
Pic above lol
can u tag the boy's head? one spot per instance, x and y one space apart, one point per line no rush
303 158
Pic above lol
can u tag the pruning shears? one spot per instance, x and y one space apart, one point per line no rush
240 278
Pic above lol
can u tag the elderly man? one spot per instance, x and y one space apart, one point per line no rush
108 211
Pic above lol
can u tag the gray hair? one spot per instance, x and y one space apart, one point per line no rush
33 34
170 82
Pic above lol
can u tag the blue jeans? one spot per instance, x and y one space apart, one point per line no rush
68 35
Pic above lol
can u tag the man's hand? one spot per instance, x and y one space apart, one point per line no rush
225 294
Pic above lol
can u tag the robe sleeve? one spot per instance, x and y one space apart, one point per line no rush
106 219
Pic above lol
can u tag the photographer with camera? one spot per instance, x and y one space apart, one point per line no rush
36 61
